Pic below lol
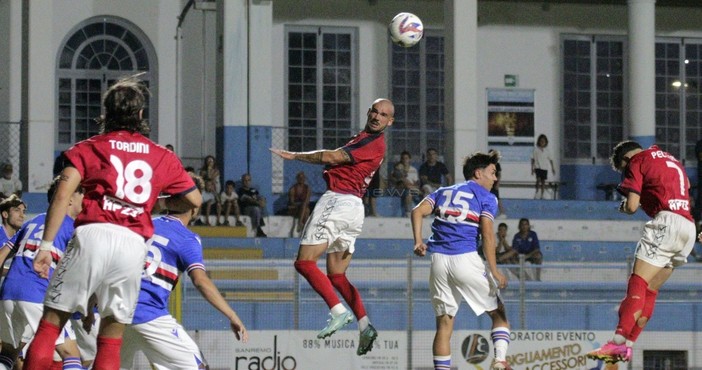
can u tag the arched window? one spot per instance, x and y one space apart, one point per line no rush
95 54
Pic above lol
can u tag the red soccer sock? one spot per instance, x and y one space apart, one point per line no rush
319 282
647 312
40 354
350 294
107 356
631 304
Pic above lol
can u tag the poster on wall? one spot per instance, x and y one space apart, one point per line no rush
510 120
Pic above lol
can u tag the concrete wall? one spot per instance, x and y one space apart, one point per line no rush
513 38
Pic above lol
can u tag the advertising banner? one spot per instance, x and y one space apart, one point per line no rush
528 350
510 123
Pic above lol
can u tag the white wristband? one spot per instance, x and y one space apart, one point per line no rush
46 245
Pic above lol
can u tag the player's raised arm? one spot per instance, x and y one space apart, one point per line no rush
324 156
68 183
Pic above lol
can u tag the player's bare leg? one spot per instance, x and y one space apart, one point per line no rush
70 354
500 337
441 348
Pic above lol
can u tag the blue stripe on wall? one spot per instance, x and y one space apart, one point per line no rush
645 141
239 156
582 181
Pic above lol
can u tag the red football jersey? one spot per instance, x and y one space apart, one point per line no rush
366 152
660 180
122 174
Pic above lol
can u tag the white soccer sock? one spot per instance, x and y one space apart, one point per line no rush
363 323
338 309
618 339
500 341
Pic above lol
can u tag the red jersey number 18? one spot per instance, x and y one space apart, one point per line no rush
133 180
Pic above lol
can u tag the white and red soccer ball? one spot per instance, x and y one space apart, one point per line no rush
406 29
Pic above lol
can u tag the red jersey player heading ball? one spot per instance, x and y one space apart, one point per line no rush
337 220
657 182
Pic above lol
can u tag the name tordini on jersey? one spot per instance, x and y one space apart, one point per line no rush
130 147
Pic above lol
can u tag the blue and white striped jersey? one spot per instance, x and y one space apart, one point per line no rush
21 282
172 249
457 211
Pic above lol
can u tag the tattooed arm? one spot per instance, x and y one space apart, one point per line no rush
332 157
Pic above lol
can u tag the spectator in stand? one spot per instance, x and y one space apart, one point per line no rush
526 242
539 162
252 204
170 147
230 203
210 198
432 173
9 184
210 171
503 247
406 179
299 200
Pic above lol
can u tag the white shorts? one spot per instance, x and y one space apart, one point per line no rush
667 240
104 259
19 321
87 342
164 342
337 219
463 275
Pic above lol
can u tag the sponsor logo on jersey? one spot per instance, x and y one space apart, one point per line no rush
117 205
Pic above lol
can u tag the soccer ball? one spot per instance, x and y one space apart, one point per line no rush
406 29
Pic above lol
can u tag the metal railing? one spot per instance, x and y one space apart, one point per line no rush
404 283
